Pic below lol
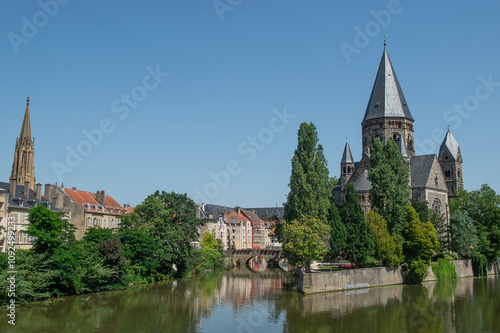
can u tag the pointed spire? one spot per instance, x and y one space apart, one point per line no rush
452 145
347 156
402 146
386 99
26 128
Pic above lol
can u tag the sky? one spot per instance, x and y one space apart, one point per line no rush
206 97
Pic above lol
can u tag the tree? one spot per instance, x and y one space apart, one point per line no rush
338 234
309 182
49 229
211 251
438 221
463 234
359 238
389 176
420 243
385 246
305 241
483 207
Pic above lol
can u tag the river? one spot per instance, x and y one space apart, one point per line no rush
245 301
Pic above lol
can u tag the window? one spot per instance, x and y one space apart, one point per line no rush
436 206
436 181
19 234
25 237
447 173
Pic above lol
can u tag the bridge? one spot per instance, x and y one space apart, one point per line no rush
273 257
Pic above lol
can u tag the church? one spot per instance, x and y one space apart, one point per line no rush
433 178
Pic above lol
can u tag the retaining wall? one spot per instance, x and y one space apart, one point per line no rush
373 277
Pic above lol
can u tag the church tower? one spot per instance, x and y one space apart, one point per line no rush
346 165
450 159
387 115
23 168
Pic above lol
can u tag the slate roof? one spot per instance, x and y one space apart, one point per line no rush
387 99
19 200
452 145
421 167
347 156
268 211
362 184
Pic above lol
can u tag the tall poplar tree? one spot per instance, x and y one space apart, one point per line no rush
390 177
309 195
358 233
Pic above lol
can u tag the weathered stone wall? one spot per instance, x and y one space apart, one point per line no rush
373 277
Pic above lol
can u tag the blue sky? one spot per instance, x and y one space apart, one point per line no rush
205 97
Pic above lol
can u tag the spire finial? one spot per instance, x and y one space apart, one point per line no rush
346 140
28 100
385 41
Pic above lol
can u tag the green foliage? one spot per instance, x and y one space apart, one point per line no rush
479 264
211 252
33 278
444 270
385 246
390 193
359 238
338 233
420 243
310 186
463 234
305 241
438 221
111 251
483 207
97 235
49 229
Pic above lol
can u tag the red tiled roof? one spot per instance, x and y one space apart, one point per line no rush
84 197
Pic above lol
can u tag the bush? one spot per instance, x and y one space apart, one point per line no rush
444 270
415 272
479 264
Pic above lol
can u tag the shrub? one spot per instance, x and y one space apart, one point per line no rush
415 271
444 270
479 264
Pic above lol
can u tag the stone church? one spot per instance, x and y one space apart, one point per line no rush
433 179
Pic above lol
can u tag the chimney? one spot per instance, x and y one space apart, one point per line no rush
47 192
12 190
238 210
102 198
126 205
39 191
26 189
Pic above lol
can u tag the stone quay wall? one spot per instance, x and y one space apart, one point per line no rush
373 277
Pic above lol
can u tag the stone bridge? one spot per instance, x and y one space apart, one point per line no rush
272 257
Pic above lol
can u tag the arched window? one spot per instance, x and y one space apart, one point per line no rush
447 173
436 206
344 169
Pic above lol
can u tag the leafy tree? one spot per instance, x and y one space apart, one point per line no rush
305 241
463 234
97 235
389 176
425 214
338 234
49 229
420 243
359 238
483 207
310 186
111 251
385 245
211 251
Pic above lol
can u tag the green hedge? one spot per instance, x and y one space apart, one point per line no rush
444 270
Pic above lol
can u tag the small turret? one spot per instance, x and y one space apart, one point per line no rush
450 159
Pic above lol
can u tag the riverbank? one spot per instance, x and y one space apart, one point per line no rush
309 283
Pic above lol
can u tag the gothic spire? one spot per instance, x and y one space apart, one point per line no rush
26 128
347 156
387 99
452 145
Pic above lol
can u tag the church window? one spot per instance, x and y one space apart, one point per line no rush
458 173
447 173
344 169
436 206
436 181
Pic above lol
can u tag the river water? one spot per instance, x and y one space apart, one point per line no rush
245 301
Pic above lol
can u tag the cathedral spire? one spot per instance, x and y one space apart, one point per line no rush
387 99
347 156
26 128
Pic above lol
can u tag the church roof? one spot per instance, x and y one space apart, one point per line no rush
421 167
347 156
26 128
386 99
362 183
452 145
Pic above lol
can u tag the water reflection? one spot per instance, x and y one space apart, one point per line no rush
245 301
